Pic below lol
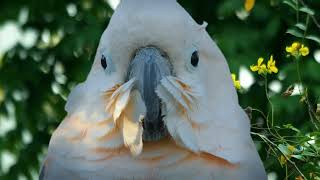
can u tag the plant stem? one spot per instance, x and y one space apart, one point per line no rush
286 172
306 30
272 110
268 98
277 135
312 114
297 11
269 143
299 75
315 21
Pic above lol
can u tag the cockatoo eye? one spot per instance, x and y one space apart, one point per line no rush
195 59
104 63
107 64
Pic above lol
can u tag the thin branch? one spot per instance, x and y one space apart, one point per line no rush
315 21
264 138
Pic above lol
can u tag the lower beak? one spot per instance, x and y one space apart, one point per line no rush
148 67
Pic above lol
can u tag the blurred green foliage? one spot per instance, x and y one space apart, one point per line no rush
54 41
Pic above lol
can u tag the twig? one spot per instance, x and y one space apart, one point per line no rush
269 141
315 21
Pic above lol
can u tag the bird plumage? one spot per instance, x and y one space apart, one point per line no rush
209 133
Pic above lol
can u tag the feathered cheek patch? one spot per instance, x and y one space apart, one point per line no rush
127 109
181 110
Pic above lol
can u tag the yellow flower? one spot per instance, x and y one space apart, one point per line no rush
235 81
271 66
282 160
296 45
260 67
291 148
297 49
249 4
294 48
304 50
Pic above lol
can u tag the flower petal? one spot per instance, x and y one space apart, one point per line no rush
274 69
296 45
304 51
237 85
233 76
289 49
262 69
254 68
249 4
260 61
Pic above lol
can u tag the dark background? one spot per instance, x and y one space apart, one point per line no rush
53 43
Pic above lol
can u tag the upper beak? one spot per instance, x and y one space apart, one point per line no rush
148 67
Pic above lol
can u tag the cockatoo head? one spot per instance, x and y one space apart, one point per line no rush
157 73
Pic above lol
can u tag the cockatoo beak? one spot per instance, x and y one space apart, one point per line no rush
148 67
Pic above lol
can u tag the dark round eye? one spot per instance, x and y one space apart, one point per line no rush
195 59
104 62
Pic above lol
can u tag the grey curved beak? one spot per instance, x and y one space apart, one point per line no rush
148 67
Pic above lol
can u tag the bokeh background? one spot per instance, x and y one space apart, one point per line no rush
47 47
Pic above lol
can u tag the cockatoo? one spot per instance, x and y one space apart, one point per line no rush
158 103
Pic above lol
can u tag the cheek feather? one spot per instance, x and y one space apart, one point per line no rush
181 93
181 100
127 110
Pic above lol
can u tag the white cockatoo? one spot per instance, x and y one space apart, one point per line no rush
158 103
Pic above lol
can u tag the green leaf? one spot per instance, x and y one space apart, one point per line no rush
308 153
289 3
313 38
300 157
307 10
284 149
316 133
301 26
295 33
289 126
